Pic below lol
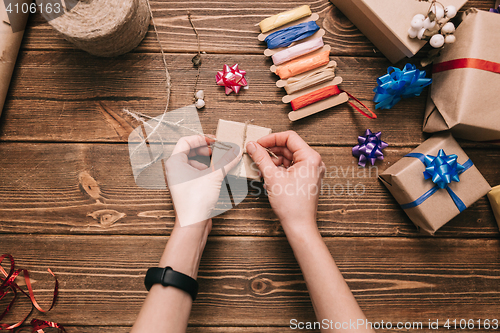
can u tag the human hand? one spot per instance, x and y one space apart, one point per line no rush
293 180
194 186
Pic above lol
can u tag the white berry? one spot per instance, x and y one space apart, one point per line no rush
450 11
437 41
200 94
428 24
419 17
438 11
420 34
450 39
417 22
199 103
448 28
412 33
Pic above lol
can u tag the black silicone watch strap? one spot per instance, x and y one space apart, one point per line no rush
168 277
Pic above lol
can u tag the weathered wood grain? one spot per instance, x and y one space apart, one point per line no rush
225 27
253 280
191 329
67 188
54 96
205 329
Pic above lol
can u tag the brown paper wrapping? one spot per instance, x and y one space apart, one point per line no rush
233 132
466 100
494 196
406 183
10 43
386 22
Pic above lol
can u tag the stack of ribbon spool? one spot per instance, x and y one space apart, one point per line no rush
301 60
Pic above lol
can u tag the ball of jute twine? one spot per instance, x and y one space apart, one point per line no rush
105 28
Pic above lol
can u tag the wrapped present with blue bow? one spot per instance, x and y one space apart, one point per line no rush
435 182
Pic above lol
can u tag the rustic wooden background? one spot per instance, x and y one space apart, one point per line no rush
69 201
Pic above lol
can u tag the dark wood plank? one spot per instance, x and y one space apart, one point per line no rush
191 329
43 191
54 97
205 329
250 280
225 27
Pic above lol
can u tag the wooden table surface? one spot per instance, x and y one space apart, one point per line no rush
63 142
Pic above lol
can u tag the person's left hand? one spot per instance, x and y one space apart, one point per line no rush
194 186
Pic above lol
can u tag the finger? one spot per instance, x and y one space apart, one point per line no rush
288 139
261 157
294 143
287 163
281 160
229 160
187 143
282 151
197 165
204 151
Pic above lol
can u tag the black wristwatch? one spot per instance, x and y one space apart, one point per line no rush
168 277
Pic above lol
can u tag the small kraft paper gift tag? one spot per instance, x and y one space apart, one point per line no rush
240 134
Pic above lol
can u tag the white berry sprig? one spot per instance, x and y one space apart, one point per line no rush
434 27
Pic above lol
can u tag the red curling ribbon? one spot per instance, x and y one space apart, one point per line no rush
8 284
324 93
484 65
38 325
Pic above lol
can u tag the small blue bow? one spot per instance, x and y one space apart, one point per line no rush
495 10
442 169
397 84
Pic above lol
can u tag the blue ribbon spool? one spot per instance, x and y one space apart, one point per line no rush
287 36
442 169
398 84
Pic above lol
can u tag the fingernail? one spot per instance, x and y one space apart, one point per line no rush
251 148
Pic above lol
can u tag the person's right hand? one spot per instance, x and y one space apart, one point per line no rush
293 180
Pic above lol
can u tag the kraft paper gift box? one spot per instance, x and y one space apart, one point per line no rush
234 132
386 22
11 36
494 196
465 99
406 182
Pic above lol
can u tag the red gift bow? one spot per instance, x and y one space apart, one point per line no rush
8 284
232 78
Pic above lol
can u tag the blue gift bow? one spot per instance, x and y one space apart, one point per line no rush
430 172
287 36
397 84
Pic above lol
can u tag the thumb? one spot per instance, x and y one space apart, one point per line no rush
260 156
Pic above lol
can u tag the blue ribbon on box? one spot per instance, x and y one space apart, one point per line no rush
398 84
442 169
287 36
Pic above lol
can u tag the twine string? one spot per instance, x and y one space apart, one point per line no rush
140 116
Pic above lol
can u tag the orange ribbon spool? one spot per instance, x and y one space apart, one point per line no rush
302 65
